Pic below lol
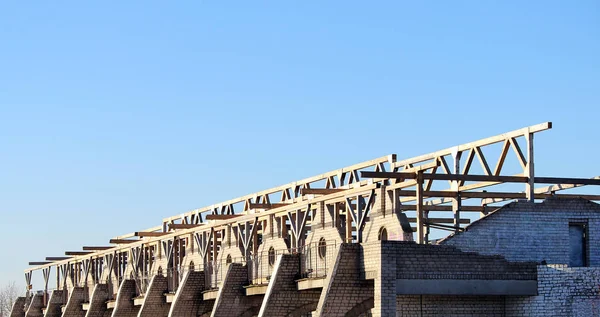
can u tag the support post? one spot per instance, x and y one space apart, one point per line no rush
529 168
456 201
420 211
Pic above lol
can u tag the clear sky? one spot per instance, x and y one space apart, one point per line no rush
114 115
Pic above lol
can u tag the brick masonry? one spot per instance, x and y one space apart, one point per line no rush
232 300
188 300
563 291
53 309
532 232
450 306
344 290
77 297
509 244
18 309
35 306
282 297
98 308
155 302
124 303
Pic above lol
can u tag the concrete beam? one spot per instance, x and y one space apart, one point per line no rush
466 287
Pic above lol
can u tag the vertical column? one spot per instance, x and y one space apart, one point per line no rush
529 168
456 201
420 210
348 223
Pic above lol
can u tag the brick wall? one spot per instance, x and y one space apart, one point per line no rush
77 297
53 309
232 299
98 300
383 215
563 291
155 302
35 306
282 297
532 232
124 303
18 309
344 290
450 306
188 300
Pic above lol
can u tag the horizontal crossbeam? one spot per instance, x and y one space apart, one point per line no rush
78 252
122 241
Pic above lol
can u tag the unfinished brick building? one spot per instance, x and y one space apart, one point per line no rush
365 240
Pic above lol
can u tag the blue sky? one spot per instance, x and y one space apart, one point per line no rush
114 115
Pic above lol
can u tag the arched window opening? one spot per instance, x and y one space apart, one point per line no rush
322 248
383 236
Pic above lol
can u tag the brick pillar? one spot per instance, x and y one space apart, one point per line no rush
77 297
385 280
188 300
345 293
155 302
53 309
282 297
98 302
124 304
35 307
232 300
18 309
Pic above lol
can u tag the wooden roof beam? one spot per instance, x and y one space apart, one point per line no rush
447 177
57 258
96 248
39 263
122 241
142 234
266 206
442 220
221 217
176 226
78 252
320 191
567 180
